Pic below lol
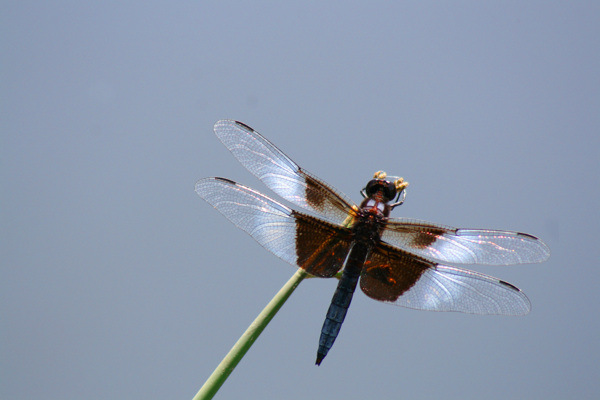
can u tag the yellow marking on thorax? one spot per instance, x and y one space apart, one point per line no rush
349 221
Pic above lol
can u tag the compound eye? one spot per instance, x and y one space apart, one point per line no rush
390 190
372 187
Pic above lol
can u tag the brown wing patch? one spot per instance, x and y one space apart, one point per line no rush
390 272
314 197
416 235
321 197
321 247
426 237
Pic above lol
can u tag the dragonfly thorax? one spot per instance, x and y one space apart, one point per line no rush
375 206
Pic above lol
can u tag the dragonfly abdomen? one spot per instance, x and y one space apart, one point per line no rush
341 300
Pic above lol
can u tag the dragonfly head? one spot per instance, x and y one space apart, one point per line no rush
387 188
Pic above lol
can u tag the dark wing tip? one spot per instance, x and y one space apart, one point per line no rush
231 122
544 250
243 125
527 304
218 178
510 285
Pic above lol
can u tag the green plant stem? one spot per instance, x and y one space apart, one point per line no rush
224 369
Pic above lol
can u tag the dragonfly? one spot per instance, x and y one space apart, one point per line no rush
397 260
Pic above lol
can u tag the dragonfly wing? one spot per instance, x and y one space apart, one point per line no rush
395 276
317 246
280 173
464 246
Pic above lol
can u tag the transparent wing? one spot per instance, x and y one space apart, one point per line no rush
317 246
464 246
280 173
395 276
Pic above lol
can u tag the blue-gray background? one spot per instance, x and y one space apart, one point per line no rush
117 281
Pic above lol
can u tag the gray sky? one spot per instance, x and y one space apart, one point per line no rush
118 281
